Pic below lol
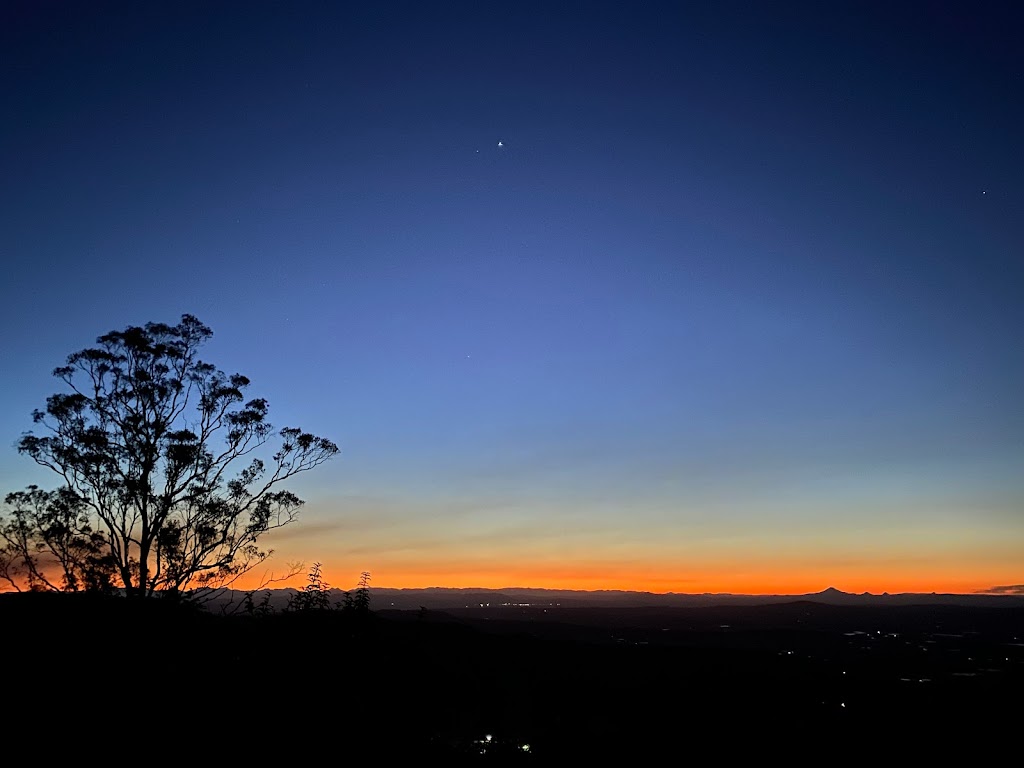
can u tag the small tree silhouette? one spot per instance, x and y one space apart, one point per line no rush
53 527
358 601
262 608
315 596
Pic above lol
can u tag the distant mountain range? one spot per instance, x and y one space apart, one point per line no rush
439 598
443 598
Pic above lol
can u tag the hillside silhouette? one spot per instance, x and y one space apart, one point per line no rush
595 684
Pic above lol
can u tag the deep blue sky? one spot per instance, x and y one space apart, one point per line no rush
737 302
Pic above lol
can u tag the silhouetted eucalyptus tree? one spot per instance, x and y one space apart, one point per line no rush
161 450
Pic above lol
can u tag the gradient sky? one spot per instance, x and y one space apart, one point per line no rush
737 306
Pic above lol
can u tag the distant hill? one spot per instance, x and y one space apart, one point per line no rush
444 598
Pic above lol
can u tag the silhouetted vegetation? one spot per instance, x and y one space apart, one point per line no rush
163 482
50 531
251 608
358 601
816 683
315 596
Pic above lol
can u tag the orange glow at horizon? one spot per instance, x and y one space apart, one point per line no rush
592 578
467 543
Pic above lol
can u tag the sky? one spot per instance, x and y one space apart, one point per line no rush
675 297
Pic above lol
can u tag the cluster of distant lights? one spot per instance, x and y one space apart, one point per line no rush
517 605
488 740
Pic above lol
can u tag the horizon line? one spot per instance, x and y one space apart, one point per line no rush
994 592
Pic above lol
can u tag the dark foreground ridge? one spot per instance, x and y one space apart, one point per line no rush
802 681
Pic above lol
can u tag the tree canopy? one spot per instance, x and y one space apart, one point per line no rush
167 476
